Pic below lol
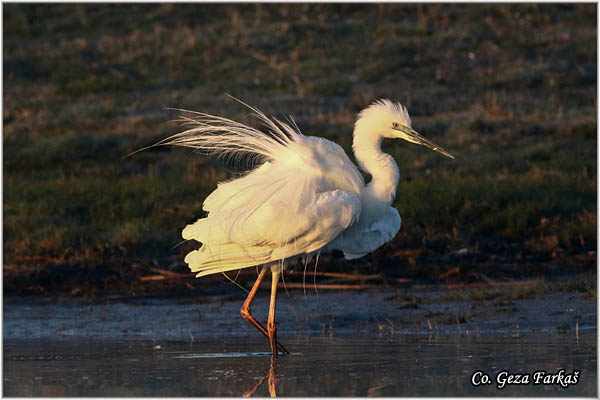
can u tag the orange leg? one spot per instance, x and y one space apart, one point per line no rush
245 311
271 327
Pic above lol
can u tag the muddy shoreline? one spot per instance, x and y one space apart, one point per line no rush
424 310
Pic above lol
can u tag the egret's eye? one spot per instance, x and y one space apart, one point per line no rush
395 125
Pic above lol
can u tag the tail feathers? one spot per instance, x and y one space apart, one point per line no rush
226 257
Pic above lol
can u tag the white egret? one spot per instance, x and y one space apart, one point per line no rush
305 196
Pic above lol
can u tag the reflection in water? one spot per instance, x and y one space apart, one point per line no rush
404 365
270 376
226 355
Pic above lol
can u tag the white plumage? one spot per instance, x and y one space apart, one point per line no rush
306 194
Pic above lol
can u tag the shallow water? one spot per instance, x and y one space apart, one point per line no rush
400 365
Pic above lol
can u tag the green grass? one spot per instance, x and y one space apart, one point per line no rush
509 89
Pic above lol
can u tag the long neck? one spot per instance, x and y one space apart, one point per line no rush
381 166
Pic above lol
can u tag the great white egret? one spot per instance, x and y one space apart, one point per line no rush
305 196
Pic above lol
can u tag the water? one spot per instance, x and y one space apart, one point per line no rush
400 365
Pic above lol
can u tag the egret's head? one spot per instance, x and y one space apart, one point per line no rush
391 120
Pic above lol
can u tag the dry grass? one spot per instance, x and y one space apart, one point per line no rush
509 89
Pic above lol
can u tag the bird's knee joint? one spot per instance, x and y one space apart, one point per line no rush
245 312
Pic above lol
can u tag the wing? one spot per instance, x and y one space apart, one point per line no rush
272 233
287 207
357 243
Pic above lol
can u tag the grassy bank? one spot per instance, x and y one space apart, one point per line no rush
509 89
